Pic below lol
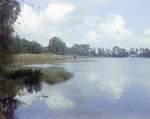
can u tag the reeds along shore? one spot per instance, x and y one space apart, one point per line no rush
50 75
55 75
36 58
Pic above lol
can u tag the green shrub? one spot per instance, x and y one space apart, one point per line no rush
28 75
55 75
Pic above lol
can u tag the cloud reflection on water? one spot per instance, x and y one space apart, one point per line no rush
92 81
27 98
112 87
54 98
107 89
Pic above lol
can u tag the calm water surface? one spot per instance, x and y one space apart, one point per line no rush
106 88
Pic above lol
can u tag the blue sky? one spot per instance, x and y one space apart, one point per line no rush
100 23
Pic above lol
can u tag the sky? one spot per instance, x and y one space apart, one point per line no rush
100 23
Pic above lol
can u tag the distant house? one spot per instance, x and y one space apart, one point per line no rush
132 55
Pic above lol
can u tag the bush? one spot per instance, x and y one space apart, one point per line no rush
55 75
28 75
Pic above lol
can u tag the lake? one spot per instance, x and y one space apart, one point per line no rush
102 88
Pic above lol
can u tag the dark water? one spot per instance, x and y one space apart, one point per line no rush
106 88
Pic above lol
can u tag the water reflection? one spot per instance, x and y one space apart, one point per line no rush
53 98
10 104
107 88
94 79
56 98
113 87
8 91
32 86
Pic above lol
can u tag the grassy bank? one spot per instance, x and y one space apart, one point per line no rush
36 58
55 75
16 77
45 58
31 78
50 75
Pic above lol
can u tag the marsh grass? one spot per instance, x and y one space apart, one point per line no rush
24 77
36 58
24 73
50 75
28 58
55 75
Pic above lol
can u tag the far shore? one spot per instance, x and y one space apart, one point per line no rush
27 58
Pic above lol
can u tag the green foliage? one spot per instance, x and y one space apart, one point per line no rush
25 78
119 52
11 83
57 46
8 90
81 50
56 75
9 106
9 11
30 78
22 45
28 75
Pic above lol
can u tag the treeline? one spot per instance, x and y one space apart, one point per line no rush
21 45
121 52
85 50
57 46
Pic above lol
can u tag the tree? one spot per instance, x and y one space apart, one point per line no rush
34 47
123 53
99 51
116 51
119 52
57 46
137 52
93 52
22 45
132 51
9 11
85 49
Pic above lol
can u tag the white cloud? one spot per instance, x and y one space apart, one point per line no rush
146 32
143 40
61 20
91 38
28 18
108 32
114 27
77 23
41 27
77 1
55 12
92 21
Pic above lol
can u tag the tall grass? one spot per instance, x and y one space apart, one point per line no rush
31 79
24 73
55 75
36 58
50 75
